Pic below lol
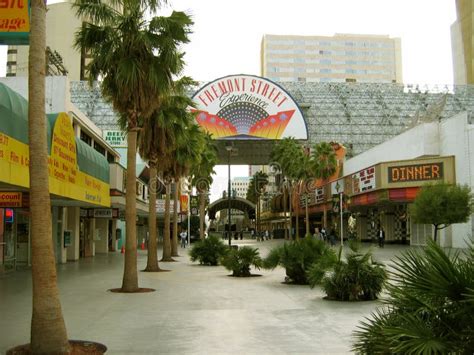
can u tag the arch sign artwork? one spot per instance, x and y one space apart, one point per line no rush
248 107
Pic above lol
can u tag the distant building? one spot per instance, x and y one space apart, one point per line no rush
240 185
462 37
340 58
63 58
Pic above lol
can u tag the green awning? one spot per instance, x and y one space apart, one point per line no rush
92 162
13 114
14 123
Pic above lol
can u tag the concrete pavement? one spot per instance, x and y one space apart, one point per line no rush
195 309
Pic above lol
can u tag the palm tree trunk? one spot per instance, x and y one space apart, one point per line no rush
291 213
48 330
307 214
152 257
174 241
130 273
284 212
166 233
297 222
202 210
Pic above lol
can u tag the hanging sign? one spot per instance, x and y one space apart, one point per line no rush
248 107
10 199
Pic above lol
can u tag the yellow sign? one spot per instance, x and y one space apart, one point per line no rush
10 199
14 16
65 179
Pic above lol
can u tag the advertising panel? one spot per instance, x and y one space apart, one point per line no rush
194 205
14 22
65 179
248 107
10 199
116 138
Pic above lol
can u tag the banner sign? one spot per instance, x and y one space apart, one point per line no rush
10 199
183 199
248 107
116 138
194 205
14 22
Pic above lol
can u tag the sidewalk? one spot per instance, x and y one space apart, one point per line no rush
195 309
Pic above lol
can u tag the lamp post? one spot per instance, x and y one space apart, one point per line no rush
341 195
229 150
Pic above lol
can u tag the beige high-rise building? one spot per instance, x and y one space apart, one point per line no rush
61 25
340 58
462 37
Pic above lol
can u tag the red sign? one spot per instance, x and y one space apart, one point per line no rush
10 199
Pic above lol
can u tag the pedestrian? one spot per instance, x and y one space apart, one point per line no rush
267 235
183 236
241 235
317 234
323 235
381 237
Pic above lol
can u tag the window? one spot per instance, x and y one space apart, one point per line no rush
110 157
86 138
99 148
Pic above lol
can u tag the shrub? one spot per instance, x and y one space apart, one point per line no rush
208 251
358 278
239 261
430 309
297 256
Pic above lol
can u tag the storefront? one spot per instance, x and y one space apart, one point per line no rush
78 177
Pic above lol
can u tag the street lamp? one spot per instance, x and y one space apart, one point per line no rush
229 151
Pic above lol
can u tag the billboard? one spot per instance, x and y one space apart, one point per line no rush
14 22
248 107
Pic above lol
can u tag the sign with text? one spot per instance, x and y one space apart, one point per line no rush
416 172
194 205
160 206
248 107
14 22
116 138
363 180
183 199
65 178
10 199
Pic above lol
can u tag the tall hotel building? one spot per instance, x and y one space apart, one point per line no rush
462 39
340 58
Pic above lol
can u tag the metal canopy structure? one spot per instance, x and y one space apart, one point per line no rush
236 203
358 115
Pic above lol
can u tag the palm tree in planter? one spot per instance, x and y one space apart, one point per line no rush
240 260
188 154
324 166
357 278
48 330
183 142
201 176
135 60
281 156
429 309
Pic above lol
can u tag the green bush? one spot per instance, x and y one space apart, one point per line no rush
208 251
239 261
297 257
358 278
430 309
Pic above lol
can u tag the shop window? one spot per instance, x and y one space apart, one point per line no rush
86 138
99 148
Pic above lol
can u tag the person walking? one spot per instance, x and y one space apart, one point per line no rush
381 237
183 235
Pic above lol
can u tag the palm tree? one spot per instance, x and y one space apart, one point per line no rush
256 188
201 176
48 330
324 166
287 153
135 60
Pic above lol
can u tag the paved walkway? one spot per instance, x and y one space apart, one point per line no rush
195 309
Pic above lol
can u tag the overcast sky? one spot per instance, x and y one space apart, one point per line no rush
227 35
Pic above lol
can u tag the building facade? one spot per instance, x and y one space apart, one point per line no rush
62 23
339 58
462 36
